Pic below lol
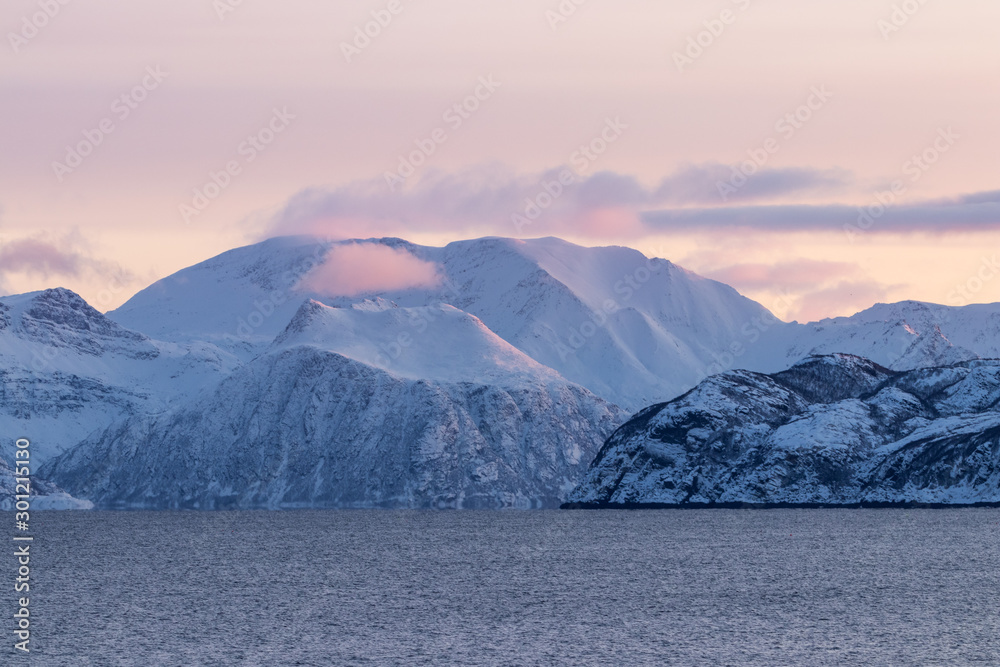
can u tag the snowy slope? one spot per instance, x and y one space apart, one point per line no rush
628 328
437 343
216 300
835 429
326 417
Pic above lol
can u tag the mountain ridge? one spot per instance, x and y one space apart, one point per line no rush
874 436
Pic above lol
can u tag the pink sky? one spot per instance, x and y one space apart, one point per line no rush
198 85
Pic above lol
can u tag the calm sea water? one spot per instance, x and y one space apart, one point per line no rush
703 587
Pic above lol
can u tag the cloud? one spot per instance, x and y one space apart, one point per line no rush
702 184
509 204
989 197
36 256
968 213
496 201
44 258
359 268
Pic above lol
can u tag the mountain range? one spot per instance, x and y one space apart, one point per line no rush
264 377
834 429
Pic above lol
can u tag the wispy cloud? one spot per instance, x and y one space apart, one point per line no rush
54 259
491 199
40 257
488 199
971 212
989 197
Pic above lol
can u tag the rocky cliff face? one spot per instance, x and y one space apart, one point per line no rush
835 429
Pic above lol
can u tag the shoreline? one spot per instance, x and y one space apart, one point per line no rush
910 504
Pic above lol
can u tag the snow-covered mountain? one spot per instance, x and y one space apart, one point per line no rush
66 370
532 349
328 417
835 429
631 329
435 343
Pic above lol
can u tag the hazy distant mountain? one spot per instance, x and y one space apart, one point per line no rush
901 336
833 429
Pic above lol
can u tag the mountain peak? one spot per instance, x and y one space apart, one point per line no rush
61 318
308 312
827 378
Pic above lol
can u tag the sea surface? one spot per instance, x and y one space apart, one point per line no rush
667 587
